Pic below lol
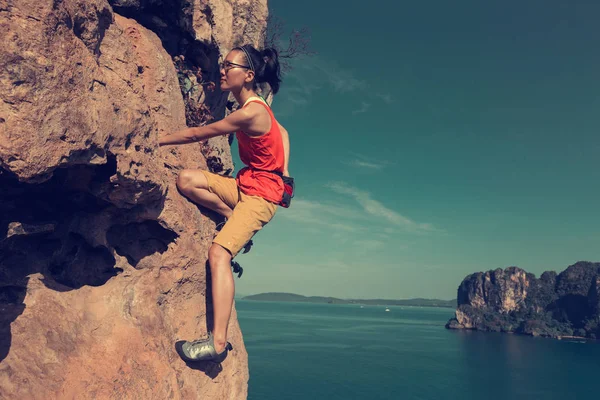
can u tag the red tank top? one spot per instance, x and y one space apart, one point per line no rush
261 152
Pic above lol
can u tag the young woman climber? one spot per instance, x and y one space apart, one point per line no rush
248 201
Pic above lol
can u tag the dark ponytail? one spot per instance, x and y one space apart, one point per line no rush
271 72
265 64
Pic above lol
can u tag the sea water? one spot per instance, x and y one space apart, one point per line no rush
325 351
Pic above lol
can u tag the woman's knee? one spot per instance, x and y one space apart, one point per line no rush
218 255
189 179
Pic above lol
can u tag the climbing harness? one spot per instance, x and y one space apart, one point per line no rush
288 187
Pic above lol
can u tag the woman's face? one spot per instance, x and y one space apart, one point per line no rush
235 71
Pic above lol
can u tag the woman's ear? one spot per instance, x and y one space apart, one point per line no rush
249 76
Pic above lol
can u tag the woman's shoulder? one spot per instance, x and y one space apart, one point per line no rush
257 108
259 117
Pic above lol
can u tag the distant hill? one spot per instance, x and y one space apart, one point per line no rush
295 298
333 300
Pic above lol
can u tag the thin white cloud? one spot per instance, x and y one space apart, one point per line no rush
298 94
364 162
378 209
363 108
301 91
340 79
329 209
315 213
386 97
311 73
298 100
344 81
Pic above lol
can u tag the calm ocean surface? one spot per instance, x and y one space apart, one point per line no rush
322 351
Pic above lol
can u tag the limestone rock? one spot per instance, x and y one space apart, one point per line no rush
102 261
227 23
512 300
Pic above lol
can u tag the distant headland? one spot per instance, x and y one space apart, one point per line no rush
564 305
291 297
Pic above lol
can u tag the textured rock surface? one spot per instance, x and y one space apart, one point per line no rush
102 261
227 23
513 300
203 31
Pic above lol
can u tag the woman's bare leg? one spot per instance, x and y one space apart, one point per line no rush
193 184
223 290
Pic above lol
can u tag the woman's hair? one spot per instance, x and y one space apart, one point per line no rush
265 65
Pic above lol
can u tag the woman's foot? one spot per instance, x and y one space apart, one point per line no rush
203 350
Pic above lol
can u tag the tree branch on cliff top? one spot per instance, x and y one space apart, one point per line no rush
298 43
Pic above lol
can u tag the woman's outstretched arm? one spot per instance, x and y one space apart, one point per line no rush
237 120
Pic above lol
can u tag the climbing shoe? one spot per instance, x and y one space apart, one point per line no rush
201 350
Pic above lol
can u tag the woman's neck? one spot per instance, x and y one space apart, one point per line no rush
243 96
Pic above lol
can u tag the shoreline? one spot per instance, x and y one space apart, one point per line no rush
560 337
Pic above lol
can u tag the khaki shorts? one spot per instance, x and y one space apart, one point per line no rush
250 213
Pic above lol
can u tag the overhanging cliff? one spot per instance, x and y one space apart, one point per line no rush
102 261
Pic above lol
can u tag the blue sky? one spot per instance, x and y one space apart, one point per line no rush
430 140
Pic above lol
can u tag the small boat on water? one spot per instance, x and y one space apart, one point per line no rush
387 309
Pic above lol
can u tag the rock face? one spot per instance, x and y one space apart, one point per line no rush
228 23
102 261
512 300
